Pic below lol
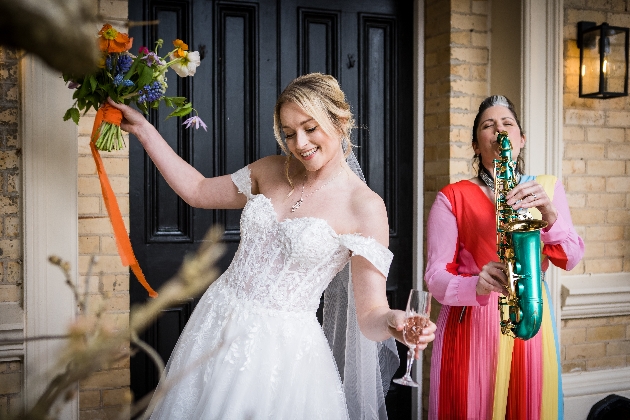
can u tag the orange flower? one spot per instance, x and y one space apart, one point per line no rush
112 41
180 48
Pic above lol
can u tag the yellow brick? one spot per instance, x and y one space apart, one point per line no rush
86 165
618 184
12 226
11 248
615 249
573 16
604 233
120 184
470 55
585 351
605 200
573 134
113 303
573 366
10 383
618 216
106 264
108 245
585 151
580 117
605 167
89 399
480 7
118 396
89 186
9 159
461 6
106 379
479 72
571 167
595 249
576 200
88 244
111 8
606 333
460 38
611 362
10 293
12 272
618 151
609 265
469 22
586 216
618 119
88 284
89 205
605 135
470 87
461 71
13 182
573 336
116 166
586 183
462 119
92 225
9 115
115 283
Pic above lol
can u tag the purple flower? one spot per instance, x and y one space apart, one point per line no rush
124 63
152 58
73 85
196 121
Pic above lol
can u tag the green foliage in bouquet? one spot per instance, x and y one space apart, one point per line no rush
130 79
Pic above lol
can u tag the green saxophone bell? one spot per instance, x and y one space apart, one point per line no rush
527 316
518 247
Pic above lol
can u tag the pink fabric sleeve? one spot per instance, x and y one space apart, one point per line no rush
563 245
441 276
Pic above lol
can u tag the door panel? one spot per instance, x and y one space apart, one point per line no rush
250 51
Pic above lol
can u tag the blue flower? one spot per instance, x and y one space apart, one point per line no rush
124 63
150 93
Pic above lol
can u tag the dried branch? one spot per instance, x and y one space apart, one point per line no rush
94 344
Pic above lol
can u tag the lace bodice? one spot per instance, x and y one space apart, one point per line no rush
286 265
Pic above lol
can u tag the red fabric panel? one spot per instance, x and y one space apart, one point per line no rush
517 392
476 225
454 370
557 255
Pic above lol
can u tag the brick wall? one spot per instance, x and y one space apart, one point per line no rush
10 219
106 393
595 173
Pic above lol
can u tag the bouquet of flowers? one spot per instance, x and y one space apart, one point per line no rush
126 78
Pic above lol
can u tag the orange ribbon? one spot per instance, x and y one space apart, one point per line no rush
113 115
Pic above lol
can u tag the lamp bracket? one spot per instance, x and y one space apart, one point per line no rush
583 26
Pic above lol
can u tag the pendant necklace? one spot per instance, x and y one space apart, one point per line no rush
484 175
302 197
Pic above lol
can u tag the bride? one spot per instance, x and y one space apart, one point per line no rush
253 348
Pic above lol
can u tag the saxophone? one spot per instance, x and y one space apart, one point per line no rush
518 247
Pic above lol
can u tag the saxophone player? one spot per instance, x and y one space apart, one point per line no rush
477 372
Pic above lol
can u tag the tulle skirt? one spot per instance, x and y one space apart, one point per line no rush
237 359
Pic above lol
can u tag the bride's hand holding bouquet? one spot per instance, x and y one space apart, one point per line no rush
130 79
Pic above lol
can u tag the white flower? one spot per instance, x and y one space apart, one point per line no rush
186 66
195 120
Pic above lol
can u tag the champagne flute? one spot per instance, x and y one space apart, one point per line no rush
417 318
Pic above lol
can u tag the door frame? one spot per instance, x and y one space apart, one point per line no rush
418 180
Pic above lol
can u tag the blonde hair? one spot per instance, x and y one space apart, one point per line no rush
320 96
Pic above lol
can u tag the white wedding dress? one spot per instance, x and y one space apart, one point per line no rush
253 348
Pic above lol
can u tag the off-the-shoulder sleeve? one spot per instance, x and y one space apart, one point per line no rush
243 181
369 249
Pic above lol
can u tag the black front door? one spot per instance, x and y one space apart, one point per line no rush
250 51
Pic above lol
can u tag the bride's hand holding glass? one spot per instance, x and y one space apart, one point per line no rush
416 328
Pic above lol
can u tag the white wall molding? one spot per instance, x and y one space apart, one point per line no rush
542 85
592 295
583 389
50 219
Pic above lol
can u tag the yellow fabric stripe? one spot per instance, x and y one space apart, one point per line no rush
549 409
504 367
548 182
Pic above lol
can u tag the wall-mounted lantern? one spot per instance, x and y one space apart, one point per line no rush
603 60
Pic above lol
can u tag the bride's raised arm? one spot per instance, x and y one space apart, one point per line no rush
187 182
